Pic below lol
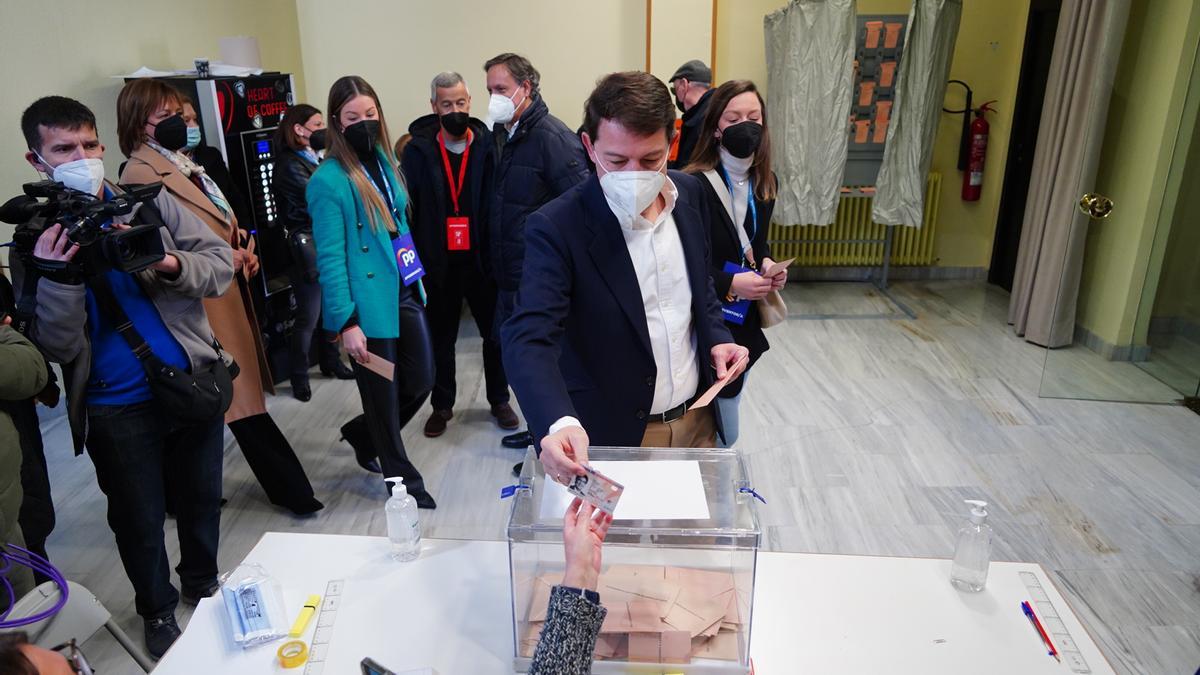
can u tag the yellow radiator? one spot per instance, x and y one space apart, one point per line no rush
912 245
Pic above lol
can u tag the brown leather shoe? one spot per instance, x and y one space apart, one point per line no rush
505 417
436 424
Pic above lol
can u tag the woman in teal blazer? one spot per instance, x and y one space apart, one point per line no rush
357 202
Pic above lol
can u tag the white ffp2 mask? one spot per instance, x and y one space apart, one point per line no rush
85 175
630 192
501 108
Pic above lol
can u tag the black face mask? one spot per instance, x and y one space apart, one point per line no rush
456 123
363 136
679 104
171 133
742 139
316 140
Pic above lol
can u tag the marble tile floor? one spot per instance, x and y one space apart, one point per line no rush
1175 359
864 436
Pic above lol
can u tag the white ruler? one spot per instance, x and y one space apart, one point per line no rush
1059 635
318 648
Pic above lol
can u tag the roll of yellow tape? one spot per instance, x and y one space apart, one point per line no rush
293 654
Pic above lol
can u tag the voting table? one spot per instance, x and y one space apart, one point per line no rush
451 611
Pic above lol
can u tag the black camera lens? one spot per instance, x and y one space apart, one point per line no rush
123 251
84 232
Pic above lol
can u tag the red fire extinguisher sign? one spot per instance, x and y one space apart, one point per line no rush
973 176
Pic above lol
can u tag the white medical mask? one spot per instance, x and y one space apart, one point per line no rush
85 175
501 108
630 192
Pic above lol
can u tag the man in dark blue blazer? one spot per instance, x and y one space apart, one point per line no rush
617 328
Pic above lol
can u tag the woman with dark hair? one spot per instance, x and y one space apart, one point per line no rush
370 273
295 162
151 131
733 160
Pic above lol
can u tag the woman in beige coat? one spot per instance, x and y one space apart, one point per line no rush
151 131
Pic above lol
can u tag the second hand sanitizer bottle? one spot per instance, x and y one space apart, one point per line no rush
973 553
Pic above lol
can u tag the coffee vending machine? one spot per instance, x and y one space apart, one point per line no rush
238 116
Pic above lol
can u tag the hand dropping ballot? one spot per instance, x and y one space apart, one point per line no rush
597 489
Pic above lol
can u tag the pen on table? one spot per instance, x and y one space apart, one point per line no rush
310 607
1037 625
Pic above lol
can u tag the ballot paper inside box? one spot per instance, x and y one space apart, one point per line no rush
678 574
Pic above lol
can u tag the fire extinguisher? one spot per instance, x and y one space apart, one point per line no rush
977 153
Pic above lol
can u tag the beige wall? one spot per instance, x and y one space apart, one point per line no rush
399 46
987 56
72 47
680 30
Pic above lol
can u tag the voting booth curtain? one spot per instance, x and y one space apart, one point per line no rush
920 88
1087 46
810 74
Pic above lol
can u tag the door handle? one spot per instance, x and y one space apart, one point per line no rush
1095 206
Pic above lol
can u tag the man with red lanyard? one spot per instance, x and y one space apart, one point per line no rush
449 165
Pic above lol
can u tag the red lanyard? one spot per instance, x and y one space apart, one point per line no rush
462 170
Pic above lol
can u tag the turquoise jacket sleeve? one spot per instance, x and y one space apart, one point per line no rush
330 207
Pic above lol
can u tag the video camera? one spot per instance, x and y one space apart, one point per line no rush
84 219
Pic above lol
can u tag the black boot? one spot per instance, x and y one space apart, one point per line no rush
300 389
355 433
334 367
424 500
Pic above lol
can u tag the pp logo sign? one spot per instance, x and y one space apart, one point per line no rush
407 257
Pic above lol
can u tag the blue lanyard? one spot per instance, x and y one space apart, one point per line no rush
391 198
751 207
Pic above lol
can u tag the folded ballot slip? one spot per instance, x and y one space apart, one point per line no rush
597 489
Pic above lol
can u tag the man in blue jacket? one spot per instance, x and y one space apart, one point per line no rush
537 159
618 329
138 449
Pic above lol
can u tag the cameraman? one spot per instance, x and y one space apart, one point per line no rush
110 406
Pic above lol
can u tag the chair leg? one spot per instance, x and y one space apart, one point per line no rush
123 638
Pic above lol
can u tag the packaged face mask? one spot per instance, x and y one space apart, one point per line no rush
254 604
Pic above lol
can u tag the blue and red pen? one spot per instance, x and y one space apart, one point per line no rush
1037 625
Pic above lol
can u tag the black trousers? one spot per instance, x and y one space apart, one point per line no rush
273 461
388 406
308 314
464 282
139 453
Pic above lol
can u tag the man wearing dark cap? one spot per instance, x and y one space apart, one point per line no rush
692 83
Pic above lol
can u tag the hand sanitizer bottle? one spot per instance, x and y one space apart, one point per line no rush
973 552
402 525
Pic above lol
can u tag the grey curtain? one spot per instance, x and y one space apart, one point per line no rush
1087 46
810 73
920 88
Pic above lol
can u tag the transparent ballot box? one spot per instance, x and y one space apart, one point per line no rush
678 562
